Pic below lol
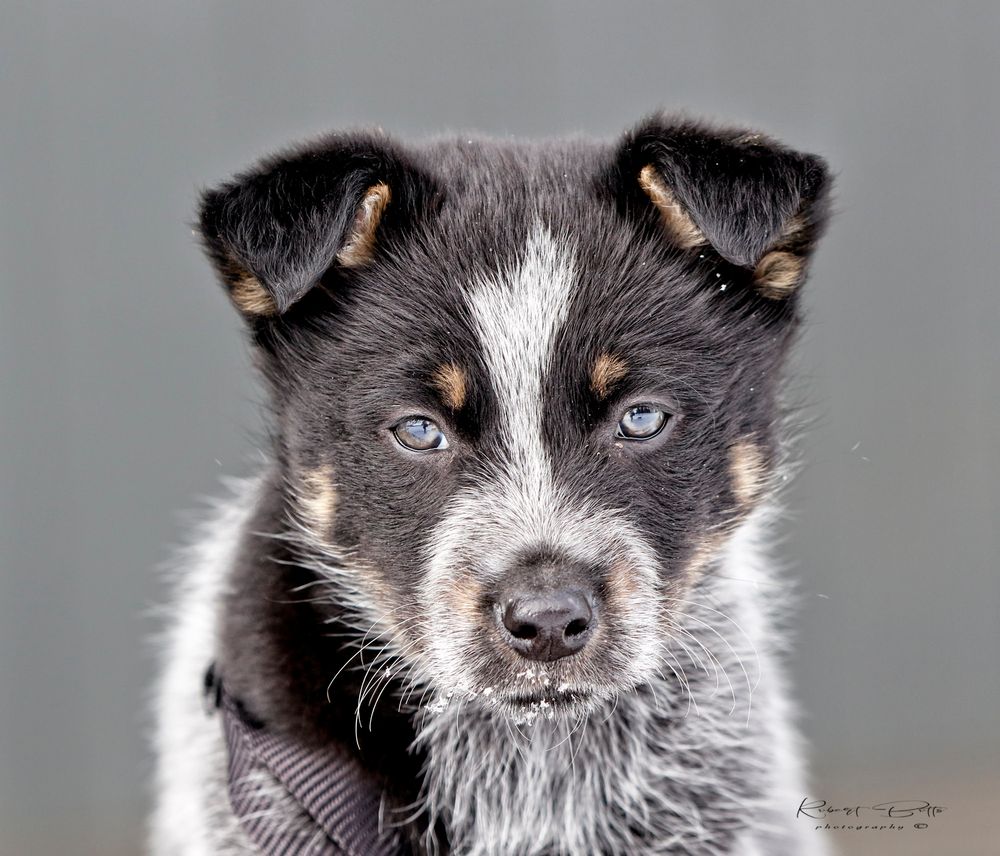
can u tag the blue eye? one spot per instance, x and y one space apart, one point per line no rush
420 434
642 422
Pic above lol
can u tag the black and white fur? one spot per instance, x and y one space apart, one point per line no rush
522 296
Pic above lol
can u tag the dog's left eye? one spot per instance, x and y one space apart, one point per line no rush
642 422
420 434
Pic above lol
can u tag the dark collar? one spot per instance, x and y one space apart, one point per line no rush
339 802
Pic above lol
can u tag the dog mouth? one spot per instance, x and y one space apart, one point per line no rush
546 701
557 702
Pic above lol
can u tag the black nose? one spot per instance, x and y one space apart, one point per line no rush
547 625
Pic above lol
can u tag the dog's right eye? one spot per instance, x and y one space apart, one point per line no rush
420 434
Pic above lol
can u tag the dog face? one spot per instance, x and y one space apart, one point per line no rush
522 393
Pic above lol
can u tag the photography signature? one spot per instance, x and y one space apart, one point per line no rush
893 809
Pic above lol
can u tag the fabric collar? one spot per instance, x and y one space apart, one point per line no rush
340 802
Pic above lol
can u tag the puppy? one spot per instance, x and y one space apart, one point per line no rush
501 588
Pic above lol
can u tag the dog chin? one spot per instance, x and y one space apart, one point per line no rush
567 706
543 702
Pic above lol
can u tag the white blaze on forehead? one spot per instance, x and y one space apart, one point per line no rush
518 313
515 505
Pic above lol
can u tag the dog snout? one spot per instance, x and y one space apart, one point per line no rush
547 625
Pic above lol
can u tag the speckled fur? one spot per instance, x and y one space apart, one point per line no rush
350 593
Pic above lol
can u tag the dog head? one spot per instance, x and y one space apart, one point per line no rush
522 393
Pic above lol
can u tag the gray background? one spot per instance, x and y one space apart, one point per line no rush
126 395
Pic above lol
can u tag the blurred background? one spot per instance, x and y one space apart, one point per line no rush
125 391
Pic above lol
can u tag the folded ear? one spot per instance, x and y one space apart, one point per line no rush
276 229
758 204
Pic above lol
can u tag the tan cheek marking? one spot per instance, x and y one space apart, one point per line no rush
452 384
778 274
607 371
464 595
676 220
361 240
621 584
393 619
318 499
706 550
747 470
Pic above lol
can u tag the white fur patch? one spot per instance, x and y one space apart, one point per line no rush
518 316
192 814
707 745
708 742
515 506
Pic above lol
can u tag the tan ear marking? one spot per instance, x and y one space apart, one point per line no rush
778 274
452 384
250 296
676 220
781 270
361 239
245 290
607 371
748 471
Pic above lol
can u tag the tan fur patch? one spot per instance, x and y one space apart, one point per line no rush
464 597
778 274
747 470
781 270
676 220
706 550
250 296
621 584
361 239
607 371
318 499
452 384
246 291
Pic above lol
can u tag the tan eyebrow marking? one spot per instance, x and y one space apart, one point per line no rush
452 384
747 470
361 239
676 220
607 371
